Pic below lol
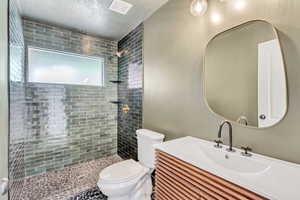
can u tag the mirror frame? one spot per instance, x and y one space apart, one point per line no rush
284 69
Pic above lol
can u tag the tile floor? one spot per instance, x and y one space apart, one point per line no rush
91 194
78 182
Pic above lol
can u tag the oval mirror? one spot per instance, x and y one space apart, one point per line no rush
244 75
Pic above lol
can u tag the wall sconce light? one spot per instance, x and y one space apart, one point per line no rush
198 7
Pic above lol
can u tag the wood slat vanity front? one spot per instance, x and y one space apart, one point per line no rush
179 180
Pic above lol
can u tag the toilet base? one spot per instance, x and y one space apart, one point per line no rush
128 198
142 191
119 198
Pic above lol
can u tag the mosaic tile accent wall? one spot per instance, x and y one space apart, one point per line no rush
17 101
130 92
69 124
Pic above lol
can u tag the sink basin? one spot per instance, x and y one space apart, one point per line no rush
235 161
272 178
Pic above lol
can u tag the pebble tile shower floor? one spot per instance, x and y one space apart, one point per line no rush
78 182
91 194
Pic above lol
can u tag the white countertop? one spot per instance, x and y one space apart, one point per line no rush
279 181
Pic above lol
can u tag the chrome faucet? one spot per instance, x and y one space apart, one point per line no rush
230 134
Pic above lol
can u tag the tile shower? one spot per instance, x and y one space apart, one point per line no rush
69 124
61 136
17 102
130 92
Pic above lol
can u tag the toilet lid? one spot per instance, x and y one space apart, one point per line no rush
121 171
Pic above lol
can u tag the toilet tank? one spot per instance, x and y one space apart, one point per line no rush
146 139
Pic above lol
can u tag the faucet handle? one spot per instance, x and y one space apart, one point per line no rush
218 142
246 151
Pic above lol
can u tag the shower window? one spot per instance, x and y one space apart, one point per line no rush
46 66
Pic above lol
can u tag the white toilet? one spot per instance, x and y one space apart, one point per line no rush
131 180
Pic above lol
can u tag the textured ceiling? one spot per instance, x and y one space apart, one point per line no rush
90 16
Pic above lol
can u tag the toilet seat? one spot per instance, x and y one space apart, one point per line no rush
121 172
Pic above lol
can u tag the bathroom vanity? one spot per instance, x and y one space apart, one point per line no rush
189 168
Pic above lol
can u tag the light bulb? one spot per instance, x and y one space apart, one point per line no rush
198 7
216 18
240 4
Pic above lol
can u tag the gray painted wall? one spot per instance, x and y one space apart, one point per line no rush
174 43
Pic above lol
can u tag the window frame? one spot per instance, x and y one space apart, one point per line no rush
97 58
